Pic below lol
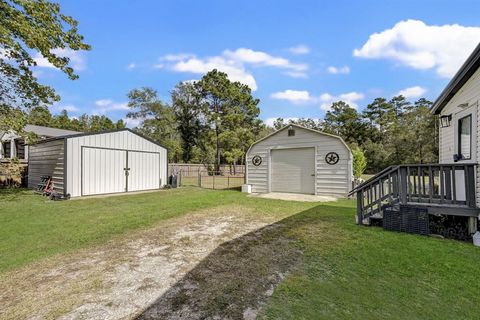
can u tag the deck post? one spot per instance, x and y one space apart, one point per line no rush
360 207
472 225
403 185
470 186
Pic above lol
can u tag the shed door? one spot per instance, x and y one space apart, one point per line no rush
293 170
144 173
103 171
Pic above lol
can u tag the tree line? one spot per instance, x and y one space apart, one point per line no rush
42 116
387 132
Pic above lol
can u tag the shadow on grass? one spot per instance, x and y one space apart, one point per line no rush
236 279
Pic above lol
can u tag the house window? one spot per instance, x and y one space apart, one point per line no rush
6 149
465 137
291 132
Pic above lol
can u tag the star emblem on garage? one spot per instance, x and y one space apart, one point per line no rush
332 158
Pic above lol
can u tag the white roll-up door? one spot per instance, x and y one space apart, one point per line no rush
293 170
144 173
103 171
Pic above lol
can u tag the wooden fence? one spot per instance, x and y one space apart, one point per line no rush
196 169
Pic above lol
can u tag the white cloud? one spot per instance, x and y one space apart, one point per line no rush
296 74
300 49
177 57
234 70
131 66
325 99
263 59
104 106
77 59
420 46
233 63
69 108
294 96
338 70
132 123
412 92
103 102
37 73
351 98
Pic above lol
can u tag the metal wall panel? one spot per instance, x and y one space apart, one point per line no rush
144 171
46 159
103 171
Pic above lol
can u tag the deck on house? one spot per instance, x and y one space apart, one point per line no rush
440 188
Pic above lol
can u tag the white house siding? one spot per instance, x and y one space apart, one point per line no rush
469 93
124 140
330 179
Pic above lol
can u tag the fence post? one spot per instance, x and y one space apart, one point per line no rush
228 182
199 180
213 187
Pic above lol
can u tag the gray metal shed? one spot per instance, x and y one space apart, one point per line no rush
99 163
295 159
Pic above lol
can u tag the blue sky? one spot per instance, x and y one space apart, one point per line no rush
299 56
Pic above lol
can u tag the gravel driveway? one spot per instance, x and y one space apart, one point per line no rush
163 272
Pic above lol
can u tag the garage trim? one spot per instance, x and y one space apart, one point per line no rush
64 167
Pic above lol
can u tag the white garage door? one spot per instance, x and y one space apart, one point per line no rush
144 173
103 171
293 170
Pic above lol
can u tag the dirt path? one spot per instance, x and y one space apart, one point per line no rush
136 276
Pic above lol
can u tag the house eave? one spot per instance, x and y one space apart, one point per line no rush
461 77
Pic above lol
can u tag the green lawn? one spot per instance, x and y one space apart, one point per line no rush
32 227
345 271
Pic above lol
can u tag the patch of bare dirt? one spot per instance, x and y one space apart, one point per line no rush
184 267
234 281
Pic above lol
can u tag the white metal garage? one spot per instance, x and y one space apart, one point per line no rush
295 159
100 163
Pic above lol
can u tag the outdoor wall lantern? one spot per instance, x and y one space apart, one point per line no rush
445 120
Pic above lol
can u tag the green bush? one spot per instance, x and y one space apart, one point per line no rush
359 162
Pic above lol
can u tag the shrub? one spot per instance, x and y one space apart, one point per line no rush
359 162
11 173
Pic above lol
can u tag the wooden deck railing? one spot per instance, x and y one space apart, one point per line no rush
451 185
